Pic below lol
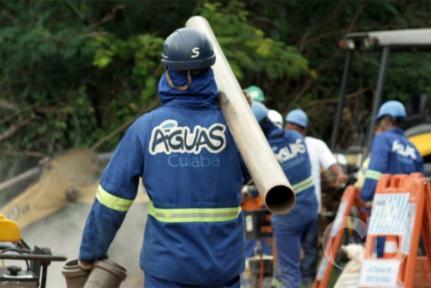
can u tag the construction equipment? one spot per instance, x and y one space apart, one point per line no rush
258 230
396 41
14 249
416 125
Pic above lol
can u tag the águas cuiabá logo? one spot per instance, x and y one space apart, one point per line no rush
184 144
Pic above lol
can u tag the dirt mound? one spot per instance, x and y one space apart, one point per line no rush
61 176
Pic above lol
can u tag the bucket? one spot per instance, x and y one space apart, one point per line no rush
75 276
105 274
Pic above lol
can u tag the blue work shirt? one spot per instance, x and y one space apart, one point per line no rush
391 153
191 170
290 151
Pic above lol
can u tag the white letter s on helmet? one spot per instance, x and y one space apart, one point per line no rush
195 52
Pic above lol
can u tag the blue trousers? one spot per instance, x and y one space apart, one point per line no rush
154 282
289 235
309 247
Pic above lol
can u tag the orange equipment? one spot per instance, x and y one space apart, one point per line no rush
401 215
398 217
258 226
335 235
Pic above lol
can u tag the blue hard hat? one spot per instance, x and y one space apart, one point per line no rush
298 117
188 49
259 110
392 108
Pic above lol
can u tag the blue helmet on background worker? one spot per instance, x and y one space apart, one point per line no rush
259 110
291 152
256 93
188 49
298 117
392 108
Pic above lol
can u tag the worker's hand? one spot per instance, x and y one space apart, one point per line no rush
247 97
341 179
85 265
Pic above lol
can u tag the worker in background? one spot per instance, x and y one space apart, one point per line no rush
290 229
190 167
255 93
252 201
321 157
391 152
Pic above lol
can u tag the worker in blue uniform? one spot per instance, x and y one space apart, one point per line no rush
290 229
321 157
391 153
191 170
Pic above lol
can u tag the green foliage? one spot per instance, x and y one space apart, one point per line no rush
71 72
75 81
249 51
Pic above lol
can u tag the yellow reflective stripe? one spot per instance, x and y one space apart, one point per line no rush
373 174
184 215
275 283
112 201
303 185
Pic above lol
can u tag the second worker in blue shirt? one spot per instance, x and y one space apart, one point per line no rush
391 152
289 230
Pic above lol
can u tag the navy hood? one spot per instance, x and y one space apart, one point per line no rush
201 94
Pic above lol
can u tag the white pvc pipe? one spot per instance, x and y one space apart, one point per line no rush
265 171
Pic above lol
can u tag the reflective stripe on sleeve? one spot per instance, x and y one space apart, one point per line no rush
112 201
184 215
303 185
373 174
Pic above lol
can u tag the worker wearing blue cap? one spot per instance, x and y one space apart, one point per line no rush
320 157
391 152
289 230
